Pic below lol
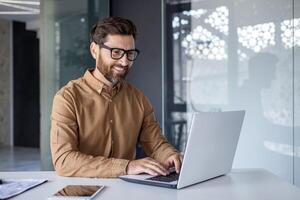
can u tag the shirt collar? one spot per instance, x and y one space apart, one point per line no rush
99 85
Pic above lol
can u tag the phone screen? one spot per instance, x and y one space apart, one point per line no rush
79 190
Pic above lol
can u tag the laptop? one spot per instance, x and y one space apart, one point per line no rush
209 153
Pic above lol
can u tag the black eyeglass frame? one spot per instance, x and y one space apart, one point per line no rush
123 50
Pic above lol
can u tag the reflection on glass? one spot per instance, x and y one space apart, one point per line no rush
71 46
219 19
203 44
284 149
65 26
287 33
78 190
195 13
237 56
257 37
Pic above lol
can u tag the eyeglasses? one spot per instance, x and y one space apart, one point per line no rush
117 53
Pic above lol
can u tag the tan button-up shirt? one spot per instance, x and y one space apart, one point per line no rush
94 129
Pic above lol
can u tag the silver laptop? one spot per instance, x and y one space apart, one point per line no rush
209 152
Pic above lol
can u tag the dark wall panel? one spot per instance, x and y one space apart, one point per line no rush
147 69
26 87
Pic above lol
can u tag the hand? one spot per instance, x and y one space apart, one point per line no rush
146 165
174 160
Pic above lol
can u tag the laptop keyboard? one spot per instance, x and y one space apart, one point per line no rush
169 178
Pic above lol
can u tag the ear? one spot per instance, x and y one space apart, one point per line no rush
94 49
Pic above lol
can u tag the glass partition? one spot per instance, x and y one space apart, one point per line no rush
65 54
296 34
236 55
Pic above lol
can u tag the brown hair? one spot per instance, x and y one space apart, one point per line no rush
113 26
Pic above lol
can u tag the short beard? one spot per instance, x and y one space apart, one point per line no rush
111 78
108 74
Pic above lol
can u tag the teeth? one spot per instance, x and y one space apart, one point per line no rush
119 69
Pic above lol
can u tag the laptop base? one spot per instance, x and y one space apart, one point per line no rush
152 183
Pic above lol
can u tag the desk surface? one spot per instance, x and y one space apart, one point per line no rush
243 184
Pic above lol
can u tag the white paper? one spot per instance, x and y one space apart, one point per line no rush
13 187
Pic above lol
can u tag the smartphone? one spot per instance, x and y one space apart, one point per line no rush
80 192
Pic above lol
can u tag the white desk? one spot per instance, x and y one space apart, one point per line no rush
252 184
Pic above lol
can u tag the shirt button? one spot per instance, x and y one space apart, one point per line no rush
111 121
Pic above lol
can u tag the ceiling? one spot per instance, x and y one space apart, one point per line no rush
20 10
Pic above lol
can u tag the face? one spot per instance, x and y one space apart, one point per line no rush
113 70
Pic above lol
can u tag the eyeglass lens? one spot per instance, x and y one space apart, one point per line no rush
119 53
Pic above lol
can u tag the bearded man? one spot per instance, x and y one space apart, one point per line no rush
98 119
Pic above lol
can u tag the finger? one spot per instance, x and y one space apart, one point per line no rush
162 167
157 164
177 164
153 164
156 168
149 171
168 164
181 158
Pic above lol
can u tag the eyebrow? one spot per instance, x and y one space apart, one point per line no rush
123 49
113 46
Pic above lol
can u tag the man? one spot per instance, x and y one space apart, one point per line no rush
98 119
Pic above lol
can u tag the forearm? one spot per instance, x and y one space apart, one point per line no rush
151 138
75 163
159 149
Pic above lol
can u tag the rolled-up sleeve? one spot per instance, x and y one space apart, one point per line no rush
67 159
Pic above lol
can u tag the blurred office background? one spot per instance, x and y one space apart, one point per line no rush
196 56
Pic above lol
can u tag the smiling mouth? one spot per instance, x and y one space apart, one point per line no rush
120 69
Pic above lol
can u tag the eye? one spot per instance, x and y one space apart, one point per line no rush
117 52
132 53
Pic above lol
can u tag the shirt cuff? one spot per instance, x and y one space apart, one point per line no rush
119 167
